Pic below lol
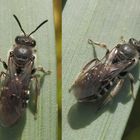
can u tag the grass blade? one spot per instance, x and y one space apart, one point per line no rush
31 14
105 22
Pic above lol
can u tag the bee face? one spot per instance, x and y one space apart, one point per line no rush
135 43
25 40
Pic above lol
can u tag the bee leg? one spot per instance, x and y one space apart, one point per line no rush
112 94
2 74
4 64
42 70
98 44
37 90
131 78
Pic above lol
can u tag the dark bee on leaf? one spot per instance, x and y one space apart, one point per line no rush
15 86
103 79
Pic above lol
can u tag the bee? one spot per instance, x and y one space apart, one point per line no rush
101 80
15 90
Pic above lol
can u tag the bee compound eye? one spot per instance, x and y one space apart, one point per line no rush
133 41
33 43
17 39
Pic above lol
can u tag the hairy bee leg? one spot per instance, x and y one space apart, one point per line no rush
37 90
112 94
42 70
4 64
91 42
2 74
131 78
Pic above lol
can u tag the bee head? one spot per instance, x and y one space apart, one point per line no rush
135 43
25 40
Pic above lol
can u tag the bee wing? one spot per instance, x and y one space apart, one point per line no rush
110 56
18 82
100 71
11 68
25 76
115 69
90 67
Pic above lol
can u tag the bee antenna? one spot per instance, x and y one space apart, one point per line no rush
19 24
38 27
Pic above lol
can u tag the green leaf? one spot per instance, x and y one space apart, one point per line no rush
105 22
31 14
